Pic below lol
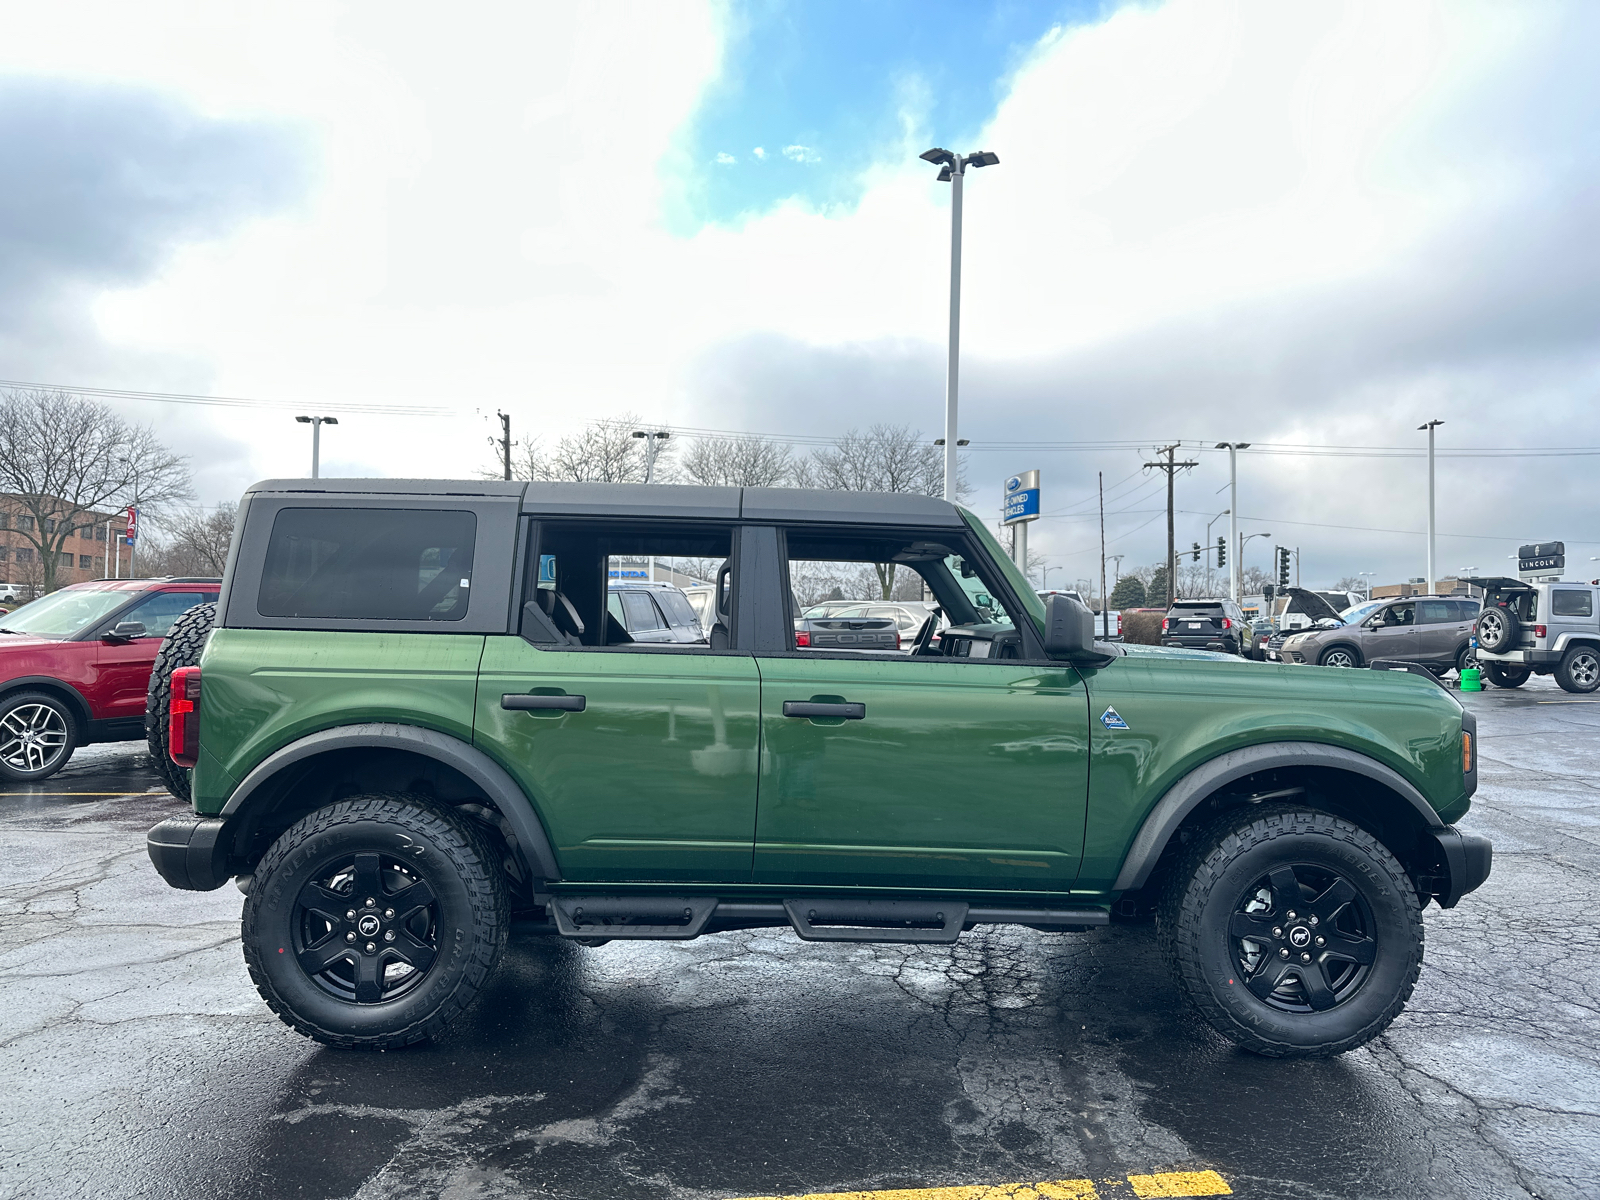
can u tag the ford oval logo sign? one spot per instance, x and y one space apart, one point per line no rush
1013 483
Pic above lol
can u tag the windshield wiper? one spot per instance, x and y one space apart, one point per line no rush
3 629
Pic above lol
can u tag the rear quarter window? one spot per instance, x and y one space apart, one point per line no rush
378 564
1571 602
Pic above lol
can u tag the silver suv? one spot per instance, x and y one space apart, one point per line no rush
1435 631
1540 629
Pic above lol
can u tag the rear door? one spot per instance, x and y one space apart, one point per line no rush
1440 631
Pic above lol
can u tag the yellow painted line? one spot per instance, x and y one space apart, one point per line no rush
1179 1183
1173 1184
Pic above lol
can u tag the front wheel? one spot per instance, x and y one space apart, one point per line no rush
1339 656
1579 670
1294 933
375 921
37 736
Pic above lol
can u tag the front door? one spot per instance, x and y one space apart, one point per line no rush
1396 637
123 668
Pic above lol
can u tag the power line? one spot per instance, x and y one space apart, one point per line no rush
376 410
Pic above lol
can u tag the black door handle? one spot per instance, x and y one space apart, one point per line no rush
520 701
811 708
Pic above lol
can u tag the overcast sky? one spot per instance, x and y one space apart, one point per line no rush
1310 227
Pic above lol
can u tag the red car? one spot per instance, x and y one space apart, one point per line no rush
74 667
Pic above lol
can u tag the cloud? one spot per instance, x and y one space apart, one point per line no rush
759 152
801 154
724 159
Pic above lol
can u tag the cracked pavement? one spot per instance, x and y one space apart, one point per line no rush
138 1060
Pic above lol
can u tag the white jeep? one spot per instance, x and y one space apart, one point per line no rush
1539 629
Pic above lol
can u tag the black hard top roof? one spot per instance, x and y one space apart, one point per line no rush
652 499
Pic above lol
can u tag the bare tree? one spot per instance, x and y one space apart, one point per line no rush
197 543
63 457
886 458
748 461
1351 583
604 452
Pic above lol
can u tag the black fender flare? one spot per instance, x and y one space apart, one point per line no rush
490 777
74 697
1184 796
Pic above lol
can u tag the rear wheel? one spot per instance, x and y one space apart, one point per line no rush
1294 933
375 921
37 735
1339 656
1503 675
1466 659
180 648
1579 670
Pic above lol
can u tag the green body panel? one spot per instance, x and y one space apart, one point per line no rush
1183 708
654 780
266 688
965 776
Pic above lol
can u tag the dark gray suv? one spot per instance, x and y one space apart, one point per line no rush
1435 631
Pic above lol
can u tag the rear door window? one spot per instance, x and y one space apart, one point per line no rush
1435 612
641 612
377 564
1571 602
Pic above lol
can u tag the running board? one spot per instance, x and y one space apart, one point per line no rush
654 917
877 920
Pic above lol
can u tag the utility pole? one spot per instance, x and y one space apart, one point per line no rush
952 170
1430 427
505 442
1171 467
1105 606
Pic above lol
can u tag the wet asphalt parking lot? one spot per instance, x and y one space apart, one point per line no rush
138 1061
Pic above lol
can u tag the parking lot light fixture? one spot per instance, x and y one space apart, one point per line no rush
316 424
1234 575
952 170
1430 427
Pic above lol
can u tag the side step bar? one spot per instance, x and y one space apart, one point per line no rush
820 919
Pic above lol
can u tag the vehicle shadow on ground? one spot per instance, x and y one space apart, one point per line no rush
749 1065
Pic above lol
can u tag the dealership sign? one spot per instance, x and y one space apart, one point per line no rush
1022 498
1542 560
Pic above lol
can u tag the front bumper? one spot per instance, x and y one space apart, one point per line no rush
1468 858
189 852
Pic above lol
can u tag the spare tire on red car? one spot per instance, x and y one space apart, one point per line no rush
180 648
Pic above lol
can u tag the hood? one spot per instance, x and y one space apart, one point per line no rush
1136 650
16 641
1313 605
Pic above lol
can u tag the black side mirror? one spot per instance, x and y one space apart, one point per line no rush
126 631
1069 631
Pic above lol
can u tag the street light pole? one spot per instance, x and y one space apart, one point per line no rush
1210 549
316 424
1367 575
1234 575
953 170
653 439
1243 542
1430 427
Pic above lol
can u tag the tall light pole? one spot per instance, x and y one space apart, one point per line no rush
1430 427
654 443
1210 549
316 424
1367 575
952 170
1233 449
1237 566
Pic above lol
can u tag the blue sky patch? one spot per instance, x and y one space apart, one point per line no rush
814 91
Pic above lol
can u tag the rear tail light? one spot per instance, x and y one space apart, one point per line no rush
897 639
1165 624
183 717
1119 624
802 638
1227 622
1538 631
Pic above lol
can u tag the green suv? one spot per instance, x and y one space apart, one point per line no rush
416 727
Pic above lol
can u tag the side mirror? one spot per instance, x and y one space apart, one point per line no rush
126 631
1069 631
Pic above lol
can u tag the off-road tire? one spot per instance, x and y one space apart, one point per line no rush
1219 865
1579 670
180 648
1333 653
1500 632
49 714
446 849
1505 675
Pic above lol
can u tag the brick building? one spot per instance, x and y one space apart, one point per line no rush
83 553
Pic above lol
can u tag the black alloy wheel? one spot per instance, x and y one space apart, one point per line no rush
366 928
375 921
1302 938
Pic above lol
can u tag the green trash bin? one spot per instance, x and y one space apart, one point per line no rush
1471 680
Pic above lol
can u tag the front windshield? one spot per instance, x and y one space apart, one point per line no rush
1351 615
1019 583
61 614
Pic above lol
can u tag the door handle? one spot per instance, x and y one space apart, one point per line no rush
518 701
811 708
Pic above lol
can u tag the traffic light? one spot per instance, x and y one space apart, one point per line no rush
1222 552
1283 566
1196 551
